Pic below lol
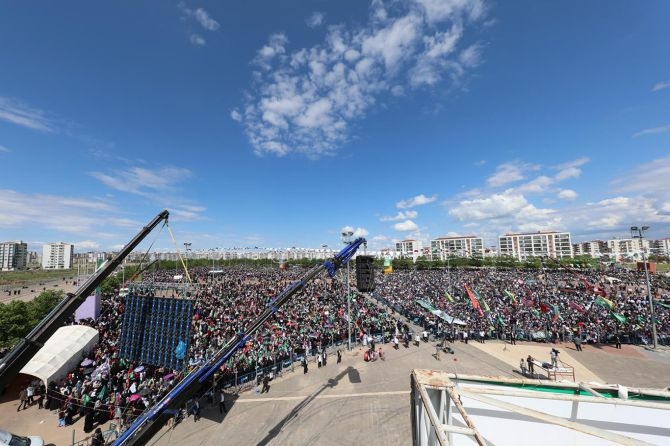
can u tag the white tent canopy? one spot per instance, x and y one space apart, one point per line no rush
61 353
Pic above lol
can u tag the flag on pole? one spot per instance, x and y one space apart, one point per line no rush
619 317
449 297
511 296
661 304
473 299
577 307
603 302
557 314
544 308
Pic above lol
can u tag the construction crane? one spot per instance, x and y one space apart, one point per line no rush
12 363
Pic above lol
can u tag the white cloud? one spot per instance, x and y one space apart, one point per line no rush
405 226
415 201
661 86
315 20
197 40
440 10
358 232
307 101
506 173
205 20
142 181
16 112
4 149
199 15
651 177
401 216
538 185
86 245
567 194
653 131
494 206
236 116
75 215
570 169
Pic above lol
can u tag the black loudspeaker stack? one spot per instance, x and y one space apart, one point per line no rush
365 274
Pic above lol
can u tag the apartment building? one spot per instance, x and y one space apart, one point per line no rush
57 255
523 246
13 256
464 246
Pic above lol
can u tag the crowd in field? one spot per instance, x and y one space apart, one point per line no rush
595 305
561 303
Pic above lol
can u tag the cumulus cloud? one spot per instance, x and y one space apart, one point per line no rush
494 206
567 194
401 216
415 201
653 131
406 226
19 113
306 100
315 20
357 232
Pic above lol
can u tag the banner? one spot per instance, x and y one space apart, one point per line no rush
473 299
619 317
605 303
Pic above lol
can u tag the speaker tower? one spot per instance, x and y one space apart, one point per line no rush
365 274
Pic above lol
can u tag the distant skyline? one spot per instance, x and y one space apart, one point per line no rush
279 124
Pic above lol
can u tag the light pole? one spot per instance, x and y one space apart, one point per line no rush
640 234
347 239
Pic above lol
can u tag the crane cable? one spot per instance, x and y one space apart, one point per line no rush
188 276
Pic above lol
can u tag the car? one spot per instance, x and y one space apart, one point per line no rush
9 439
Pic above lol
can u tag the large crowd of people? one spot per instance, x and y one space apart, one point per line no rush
510 303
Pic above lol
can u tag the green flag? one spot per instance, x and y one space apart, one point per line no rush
619 317
605 303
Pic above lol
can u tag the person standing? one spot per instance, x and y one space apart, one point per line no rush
23 399
319 360
325 358
531 366
304 366
522 367
617 340
339 356
578 342
222 402
266 384
97 439
196 410
554 358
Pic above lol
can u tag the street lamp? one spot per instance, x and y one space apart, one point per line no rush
348 240
640 234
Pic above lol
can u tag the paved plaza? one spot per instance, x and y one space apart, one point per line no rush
357 402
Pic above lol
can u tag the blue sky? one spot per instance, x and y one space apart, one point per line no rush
278 124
